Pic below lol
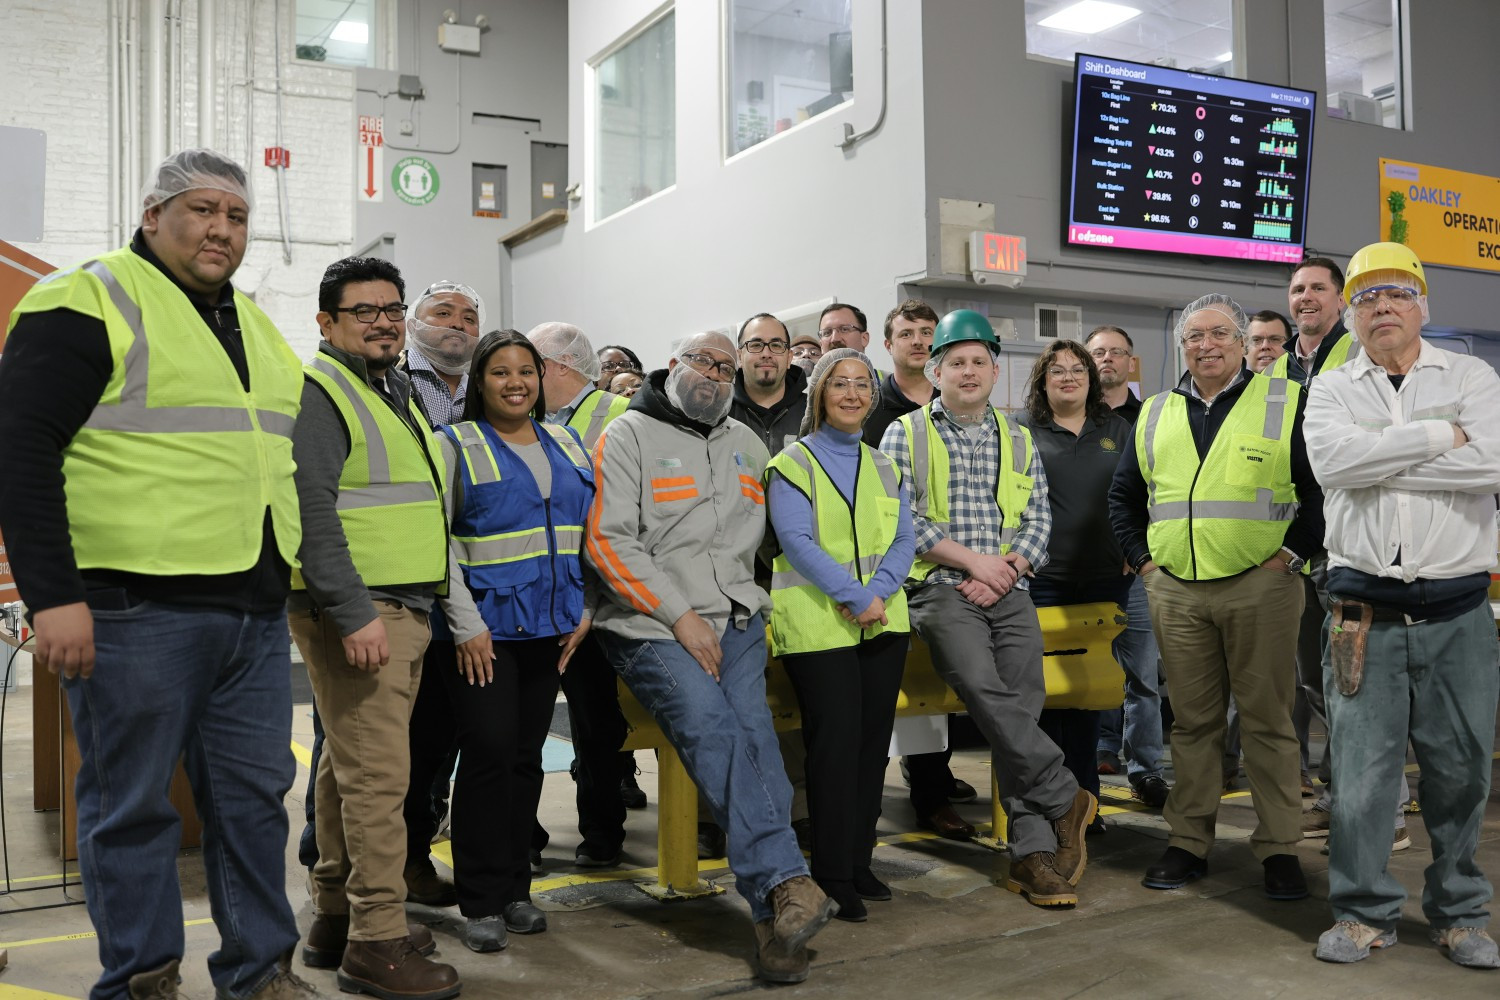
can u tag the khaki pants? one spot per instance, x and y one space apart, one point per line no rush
363 774
1216 637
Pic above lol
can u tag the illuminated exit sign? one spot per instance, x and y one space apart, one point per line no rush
997 258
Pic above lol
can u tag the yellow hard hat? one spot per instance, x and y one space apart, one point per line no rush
1382 257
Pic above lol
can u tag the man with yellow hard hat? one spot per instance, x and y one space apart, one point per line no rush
1405 439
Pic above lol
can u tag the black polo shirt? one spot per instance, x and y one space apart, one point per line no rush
1079 469
893 406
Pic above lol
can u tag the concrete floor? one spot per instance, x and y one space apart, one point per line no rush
949 933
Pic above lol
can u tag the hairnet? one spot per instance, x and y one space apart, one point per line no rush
1384 277
192 169
1220 303
445 348
699 397
566 344
812 417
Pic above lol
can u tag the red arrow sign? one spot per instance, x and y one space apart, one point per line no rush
370 171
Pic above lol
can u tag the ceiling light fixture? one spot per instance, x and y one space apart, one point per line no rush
1089 17
1224 57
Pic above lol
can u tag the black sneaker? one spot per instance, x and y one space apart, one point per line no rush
630 792
1284 878
1152 790
1175 869
711 842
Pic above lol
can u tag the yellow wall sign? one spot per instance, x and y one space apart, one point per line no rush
1445 216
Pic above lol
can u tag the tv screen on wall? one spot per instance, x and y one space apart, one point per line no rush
1172 161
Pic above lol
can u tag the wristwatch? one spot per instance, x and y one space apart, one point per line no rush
1294 562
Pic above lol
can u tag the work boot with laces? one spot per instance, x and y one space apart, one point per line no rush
1036 877
802 909
392 970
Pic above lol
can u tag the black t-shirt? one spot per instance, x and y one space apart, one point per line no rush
1079 469
893 406
1130 409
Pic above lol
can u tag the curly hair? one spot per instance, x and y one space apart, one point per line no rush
1037 405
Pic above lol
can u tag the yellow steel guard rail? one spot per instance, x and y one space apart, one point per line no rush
1077 664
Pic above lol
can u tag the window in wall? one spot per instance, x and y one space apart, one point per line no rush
787 61
1194 35
338 32
1362 41
634 105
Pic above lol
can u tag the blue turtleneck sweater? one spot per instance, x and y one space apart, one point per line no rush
791 516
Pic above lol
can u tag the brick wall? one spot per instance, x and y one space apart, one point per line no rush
58 80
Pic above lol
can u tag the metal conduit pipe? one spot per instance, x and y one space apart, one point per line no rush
153 34
208 79
281 197
112 71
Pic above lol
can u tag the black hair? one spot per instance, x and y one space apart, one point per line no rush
352 271
623 350
1272 316
1110 329
859 317
1037 404
488 345
1325 263
738 340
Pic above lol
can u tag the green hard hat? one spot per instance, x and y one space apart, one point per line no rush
961 325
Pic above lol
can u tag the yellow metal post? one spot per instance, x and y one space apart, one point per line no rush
676 834
995 840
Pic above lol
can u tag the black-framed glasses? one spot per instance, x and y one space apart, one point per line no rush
1100 353
366 313
704 364
616 366
777 347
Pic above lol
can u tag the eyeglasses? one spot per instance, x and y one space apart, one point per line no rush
858 386
1078 373
704 364
1100 353
845 330
777 347
1271 341
366 313
807 351
615 366
1218 335
1401 299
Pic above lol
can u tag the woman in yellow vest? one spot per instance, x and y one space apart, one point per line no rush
521 490
839 620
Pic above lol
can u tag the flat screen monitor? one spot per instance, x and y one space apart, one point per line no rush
1178 162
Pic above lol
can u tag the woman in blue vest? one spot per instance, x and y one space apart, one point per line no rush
521 490
1079 439
839 621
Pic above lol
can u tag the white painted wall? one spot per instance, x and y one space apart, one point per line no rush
57 81
791 221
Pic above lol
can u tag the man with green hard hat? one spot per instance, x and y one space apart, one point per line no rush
979 505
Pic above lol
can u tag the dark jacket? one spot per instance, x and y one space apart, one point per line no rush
781 423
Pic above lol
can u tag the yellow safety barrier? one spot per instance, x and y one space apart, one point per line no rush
1079 669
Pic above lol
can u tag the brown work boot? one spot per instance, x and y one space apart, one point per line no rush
1036 877
801 911
424 885
392 970
329 934
1072 853
286 985
158 984
773 963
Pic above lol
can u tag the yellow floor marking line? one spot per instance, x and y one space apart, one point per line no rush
85 935
22 993
303 755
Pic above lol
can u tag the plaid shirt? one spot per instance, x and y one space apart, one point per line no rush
440 405
973 471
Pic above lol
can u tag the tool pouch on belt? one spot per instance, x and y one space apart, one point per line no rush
1347 635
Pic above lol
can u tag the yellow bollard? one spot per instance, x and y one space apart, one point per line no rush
676 834
995 839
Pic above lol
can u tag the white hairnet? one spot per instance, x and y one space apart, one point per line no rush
813 416
699 397
566 344
446 348
1385 277
1220 303
191 169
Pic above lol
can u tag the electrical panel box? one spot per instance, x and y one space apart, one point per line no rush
458 38
489 191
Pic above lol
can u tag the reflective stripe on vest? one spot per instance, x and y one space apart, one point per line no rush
381 491
860 569
918 441
594 414
1216 536
131 413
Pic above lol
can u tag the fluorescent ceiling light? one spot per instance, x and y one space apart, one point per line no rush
1089 17
1223 57
351 31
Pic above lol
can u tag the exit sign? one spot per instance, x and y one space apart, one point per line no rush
997 257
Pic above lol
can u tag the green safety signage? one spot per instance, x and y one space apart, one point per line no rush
415 180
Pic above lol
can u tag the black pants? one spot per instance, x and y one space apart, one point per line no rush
1076 733
931 780
598 728
501 728
848 702
433 746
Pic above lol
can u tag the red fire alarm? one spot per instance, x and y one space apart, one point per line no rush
278 156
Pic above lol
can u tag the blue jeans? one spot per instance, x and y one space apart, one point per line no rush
1135 650
724 734
1435 683
213 686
